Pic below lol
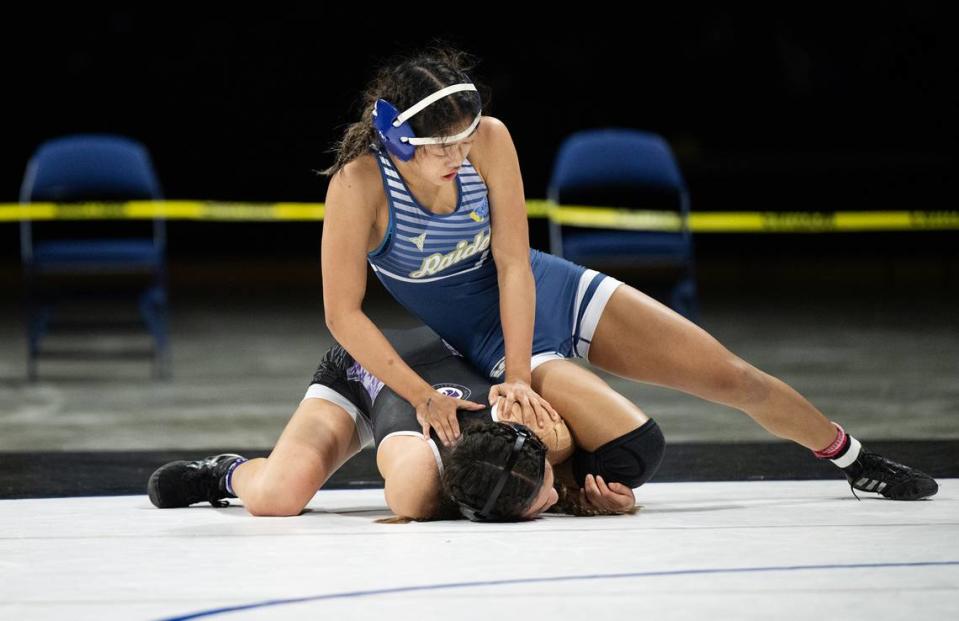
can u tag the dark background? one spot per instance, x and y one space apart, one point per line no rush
813 108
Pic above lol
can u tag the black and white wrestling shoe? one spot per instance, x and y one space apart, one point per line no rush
182 483
871 472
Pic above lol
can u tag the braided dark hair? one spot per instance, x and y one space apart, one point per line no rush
404 80
474 464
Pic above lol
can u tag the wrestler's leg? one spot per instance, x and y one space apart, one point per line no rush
318 439
593 411
641 339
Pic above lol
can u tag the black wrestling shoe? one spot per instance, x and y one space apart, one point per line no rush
871 472
182 483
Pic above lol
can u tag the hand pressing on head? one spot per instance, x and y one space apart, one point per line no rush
533 405
555 434
438 411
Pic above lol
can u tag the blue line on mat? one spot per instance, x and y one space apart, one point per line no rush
463 585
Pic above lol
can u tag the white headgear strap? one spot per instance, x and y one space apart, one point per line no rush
418 106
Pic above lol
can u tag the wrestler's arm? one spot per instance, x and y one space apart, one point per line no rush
348 220
510 246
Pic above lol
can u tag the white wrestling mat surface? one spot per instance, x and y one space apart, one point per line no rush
722 550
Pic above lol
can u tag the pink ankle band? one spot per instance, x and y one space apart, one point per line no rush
830 451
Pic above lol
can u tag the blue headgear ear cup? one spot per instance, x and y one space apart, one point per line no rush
384 114
395 131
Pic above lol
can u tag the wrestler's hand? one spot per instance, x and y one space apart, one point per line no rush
439 412
612 498
532 404
556 436
516 414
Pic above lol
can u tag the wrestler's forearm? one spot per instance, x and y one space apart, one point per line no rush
368 346
517 307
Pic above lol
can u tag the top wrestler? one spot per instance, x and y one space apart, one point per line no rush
453 249
447 236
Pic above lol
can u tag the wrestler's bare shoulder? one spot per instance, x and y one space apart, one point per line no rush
359 178
363 186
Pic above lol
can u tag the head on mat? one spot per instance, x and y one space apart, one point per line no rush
424 109
498 471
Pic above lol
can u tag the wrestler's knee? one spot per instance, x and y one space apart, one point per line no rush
277 501
631 459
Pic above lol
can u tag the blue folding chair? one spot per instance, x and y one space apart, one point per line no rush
629 169
92 167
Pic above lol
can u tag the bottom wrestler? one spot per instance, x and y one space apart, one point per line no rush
499 469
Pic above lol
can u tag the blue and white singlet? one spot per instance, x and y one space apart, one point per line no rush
440 268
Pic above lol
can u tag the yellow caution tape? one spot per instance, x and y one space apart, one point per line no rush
569 215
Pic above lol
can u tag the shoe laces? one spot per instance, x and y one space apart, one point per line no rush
853 490
201 487
875 463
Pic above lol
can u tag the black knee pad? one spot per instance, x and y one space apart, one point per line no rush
631 459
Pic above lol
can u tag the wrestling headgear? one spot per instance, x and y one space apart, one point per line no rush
396 133
523 434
